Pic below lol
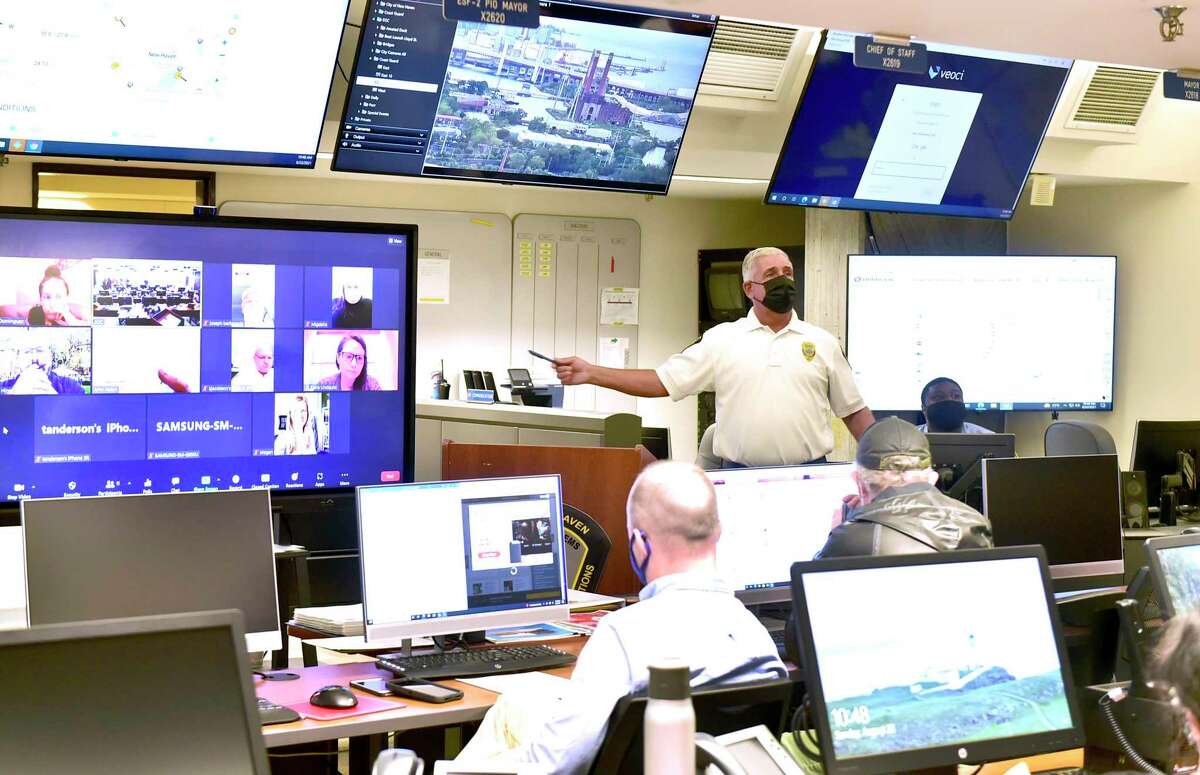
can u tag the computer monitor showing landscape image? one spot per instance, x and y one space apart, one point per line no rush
902 686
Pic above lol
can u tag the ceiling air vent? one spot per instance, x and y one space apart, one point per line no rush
747 59
1114 99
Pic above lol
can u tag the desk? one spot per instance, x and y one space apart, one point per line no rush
412 716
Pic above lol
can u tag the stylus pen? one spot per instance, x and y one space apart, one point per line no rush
537 354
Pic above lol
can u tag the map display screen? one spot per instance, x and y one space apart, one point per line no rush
219 82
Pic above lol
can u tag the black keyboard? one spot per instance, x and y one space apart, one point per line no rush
473 662
269 713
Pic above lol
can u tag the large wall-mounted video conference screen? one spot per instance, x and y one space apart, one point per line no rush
219 82
164 354
958 138
1016 332
598 96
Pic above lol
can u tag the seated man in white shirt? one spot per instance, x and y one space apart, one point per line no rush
685 612
944 410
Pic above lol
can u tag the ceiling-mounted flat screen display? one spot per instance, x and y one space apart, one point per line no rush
1016 332
218 82
598 96
957 138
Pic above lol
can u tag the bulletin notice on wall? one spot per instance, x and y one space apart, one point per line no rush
619 307
433 276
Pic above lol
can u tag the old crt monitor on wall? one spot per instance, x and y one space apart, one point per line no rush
222 83
1069 504
722 291
170 354
1166 447
1175 572
772 517
142 555
1017 333
901 685
137 696
956 137
598 96
452 557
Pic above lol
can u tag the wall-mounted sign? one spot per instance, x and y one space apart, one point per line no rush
509 13
1176 87
894 56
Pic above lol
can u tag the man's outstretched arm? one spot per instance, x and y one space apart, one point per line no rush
635 382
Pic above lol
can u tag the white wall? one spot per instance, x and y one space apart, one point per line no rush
1155 232
673 229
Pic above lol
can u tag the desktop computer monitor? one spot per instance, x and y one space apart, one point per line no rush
450 557
141 555
1164 447
136 696
772 517
948 658
657 442
956 457
1175 572
1071 505
960 451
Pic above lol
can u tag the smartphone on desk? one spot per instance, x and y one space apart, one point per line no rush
376 686
426 691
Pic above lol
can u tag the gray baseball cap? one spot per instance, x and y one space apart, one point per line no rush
886 442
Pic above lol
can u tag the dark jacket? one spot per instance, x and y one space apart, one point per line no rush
911 519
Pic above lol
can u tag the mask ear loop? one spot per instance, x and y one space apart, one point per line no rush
639 569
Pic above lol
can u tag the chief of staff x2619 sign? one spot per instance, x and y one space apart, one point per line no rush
509 13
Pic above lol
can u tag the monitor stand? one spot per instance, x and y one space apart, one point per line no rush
968 488
442 643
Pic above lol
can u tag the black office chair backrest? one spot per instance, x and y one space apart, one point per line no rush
719 710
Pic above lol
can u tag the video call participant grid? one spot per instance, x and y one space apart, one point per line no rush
132 326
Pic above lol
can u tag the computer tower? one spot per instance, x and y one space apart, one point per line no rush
1133 499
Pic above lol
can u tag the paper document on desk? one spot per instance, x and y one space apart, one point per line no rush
337 619
541 683
580 600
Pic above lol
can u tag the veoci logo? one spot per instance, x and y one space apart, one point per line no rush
936 71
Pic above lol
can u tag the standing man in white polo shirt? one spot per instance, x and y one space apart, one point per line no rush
777 379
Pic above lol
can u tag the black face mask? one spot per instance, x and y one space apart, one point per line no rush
946 415
780 293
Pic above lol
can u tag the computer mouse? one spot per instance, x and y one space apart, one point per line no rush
1191 530
333 697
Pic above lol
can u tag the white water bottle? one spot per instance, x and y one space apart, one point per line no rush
669 728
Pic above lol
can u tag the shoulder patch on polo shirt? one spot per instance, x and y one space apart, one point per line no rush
809 350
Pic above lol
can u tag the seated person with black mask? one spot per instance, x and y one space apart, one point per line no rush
944 410
898 510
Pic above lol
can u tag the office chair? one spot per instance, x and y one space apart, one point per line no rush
719 709
1078 437
705 457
